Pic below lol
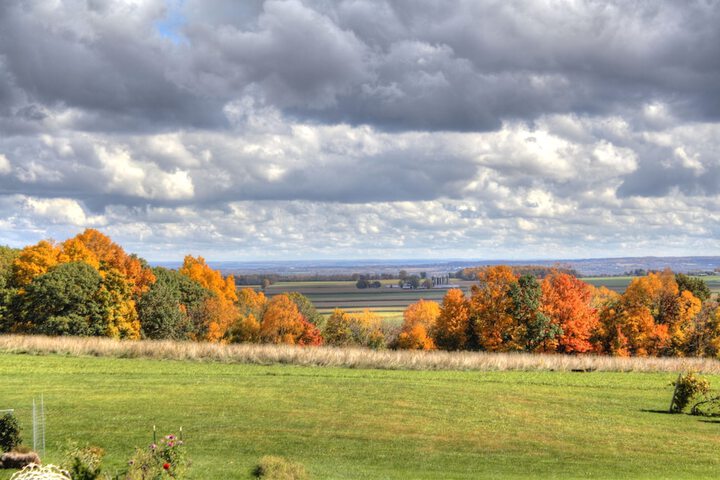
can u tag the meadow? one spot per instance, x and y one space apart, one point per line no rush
365 423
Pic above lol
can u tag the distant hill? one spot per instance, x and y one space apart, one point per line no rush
585 267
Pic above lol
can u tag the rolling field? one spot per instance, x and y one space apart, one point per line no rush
389 303
358 423
619 284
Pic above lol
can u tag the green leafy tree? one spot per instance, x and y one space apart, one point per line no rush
173 307
160 313
7 292
66 301
694 285
9 432
525 295
306 307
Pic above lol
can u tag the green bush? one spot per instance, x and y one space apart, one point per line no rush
707 408
687 387
9 432
278 468
84 463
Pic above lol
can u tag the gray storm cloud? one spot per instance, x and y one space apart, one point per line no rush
482 128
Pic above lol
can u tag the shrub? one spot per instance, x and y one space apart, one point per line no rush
84 463
707 408
164 460
271 467
687 387
9 432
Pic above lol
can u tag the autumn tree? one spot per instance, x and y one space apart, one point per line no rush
219 311
652 317
568 303
121 314
36 260
282 322
418 321
306 307
336 330
366 329
110 256
251 307
492 324
451 330
703 335
536 330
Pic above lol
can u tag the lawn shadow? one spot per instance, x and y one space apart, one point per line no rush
657 411
711 421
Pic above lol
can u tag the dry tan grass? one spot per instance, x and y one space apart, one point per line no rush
343 357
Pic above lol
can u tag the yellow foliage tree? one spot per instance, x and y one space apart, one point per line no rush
451 328
282 321
652 317
418 321
220 311
122 317
36 260
251 306
76 251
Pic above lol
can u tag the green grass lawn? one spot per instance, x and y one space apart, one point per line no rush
346 423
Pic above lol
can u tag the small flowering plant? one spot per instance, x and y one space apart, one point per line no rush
162 460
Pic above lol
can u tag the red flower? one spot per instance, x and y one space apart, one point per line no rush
166 466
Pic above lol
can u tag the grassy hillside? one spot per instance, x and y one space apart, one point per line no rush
358 423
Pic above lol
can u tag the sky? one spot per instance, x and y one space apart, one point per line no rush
320 129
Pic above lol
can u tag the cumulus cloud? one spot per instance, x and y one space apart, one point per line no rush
363 128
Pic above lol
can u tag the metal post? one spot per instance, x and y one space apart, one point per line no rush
42 420
34 421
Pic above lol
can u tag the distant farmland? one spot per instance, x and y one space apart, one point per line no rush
386 301
391 302
619 284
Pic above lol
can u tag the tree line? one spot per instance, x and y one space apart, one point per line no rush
660 314
88 285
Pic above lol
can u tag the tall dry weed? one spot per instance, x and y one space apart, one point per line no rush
344 357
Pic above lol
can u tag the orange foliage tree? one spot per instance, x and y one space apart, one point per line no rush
111 256
568 302
220 310
251 306
282 322
492 324
418 321
652 317
452 325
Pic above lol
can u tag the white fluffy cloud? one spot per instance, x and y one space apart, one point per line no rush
289 128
